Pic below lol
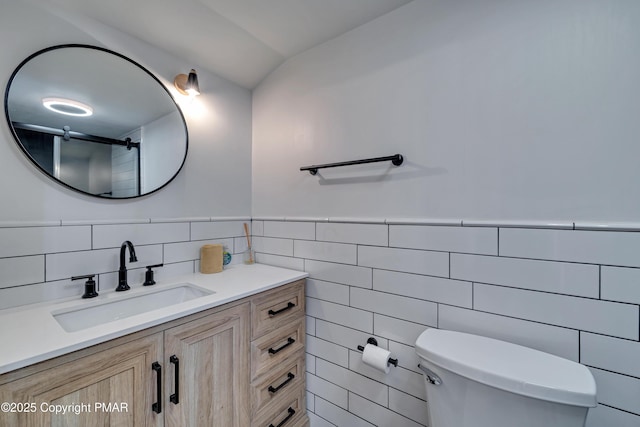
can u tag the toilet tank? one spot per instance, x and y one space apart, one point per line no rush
483 382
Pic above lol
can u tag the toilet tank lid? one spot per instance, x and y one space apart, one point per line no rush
509 367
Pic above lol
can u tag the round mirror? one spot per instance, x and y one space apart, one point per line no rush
96 121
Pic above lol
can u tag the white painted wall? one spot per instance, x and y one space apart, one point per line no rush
216 179
512 115
510 110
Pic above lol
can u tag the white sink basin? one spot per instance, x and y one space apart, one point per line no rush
76 319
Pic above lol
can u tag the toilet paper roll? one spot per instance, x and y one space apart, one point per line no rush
376 357
211 259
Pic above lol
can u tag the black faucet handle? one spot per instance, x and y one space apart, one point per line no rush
148 276
89 286
154 266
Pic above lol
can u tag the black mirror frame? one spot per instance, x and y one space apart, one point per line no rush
41 169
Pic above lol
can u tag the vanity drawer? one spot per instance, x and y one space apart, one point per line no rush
271 350
273 385
289 411
277 308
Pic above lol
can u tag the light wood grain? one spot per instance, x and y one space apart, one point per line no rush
120 374
277 412
214 370
263 361
277 299
260 394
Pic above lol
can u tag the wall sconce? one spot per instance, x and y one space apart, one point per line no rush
187 85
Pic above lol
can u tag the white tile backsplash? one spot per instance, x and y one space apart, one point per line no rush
604 416
437 289
67 264
112 236
397 330
273 246
363 234
592 247
337 416
40 292
326 390
344 336
619 391
310 325
405 260
354 382
22 241
326 350
310 402
21 270
557 277
310 363
339 273
290 230
556 340
409 406
585 314
354 318
405 308
280 261
257 228
316 421
327 291
449 239
620 284
609 353
325 251
217 230
573 293
377 414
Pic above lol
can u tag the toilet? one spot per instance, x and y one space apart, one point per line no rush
483 382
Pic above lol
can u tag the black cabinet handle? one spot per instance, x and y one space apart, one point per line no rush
288 343
273 389
289 306
174 398
291 411
157 407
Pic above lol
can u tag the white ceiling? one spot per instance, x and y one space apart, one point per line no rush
241 40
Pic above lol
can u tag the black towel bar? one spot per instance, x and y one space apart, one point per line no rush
396 159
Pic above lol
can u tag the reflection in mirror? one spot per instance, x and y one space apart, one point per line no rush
96 121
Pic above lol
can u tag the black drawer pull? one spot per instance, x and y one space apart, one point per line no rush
273 389
287 344
174 398
157 407
289 306
291 411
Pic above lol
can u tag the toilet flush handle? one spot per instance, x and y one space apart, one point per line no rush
430 375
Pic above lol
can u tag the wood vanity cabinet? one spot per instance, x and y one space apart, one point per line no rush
208 357
237 365
119 374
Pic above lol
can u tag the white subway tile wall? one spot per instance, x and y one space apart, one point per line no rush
38 261
573 293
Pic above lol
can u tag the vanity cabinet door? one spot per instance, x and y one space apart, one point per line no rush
211 359
115 387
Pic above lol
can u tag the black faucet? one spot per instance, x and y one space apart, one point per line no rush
122 272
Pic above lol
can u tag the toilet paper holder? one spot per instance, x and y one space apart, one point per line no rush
373 341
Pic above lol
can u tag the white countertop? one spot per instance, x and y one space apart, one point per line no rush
30 334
